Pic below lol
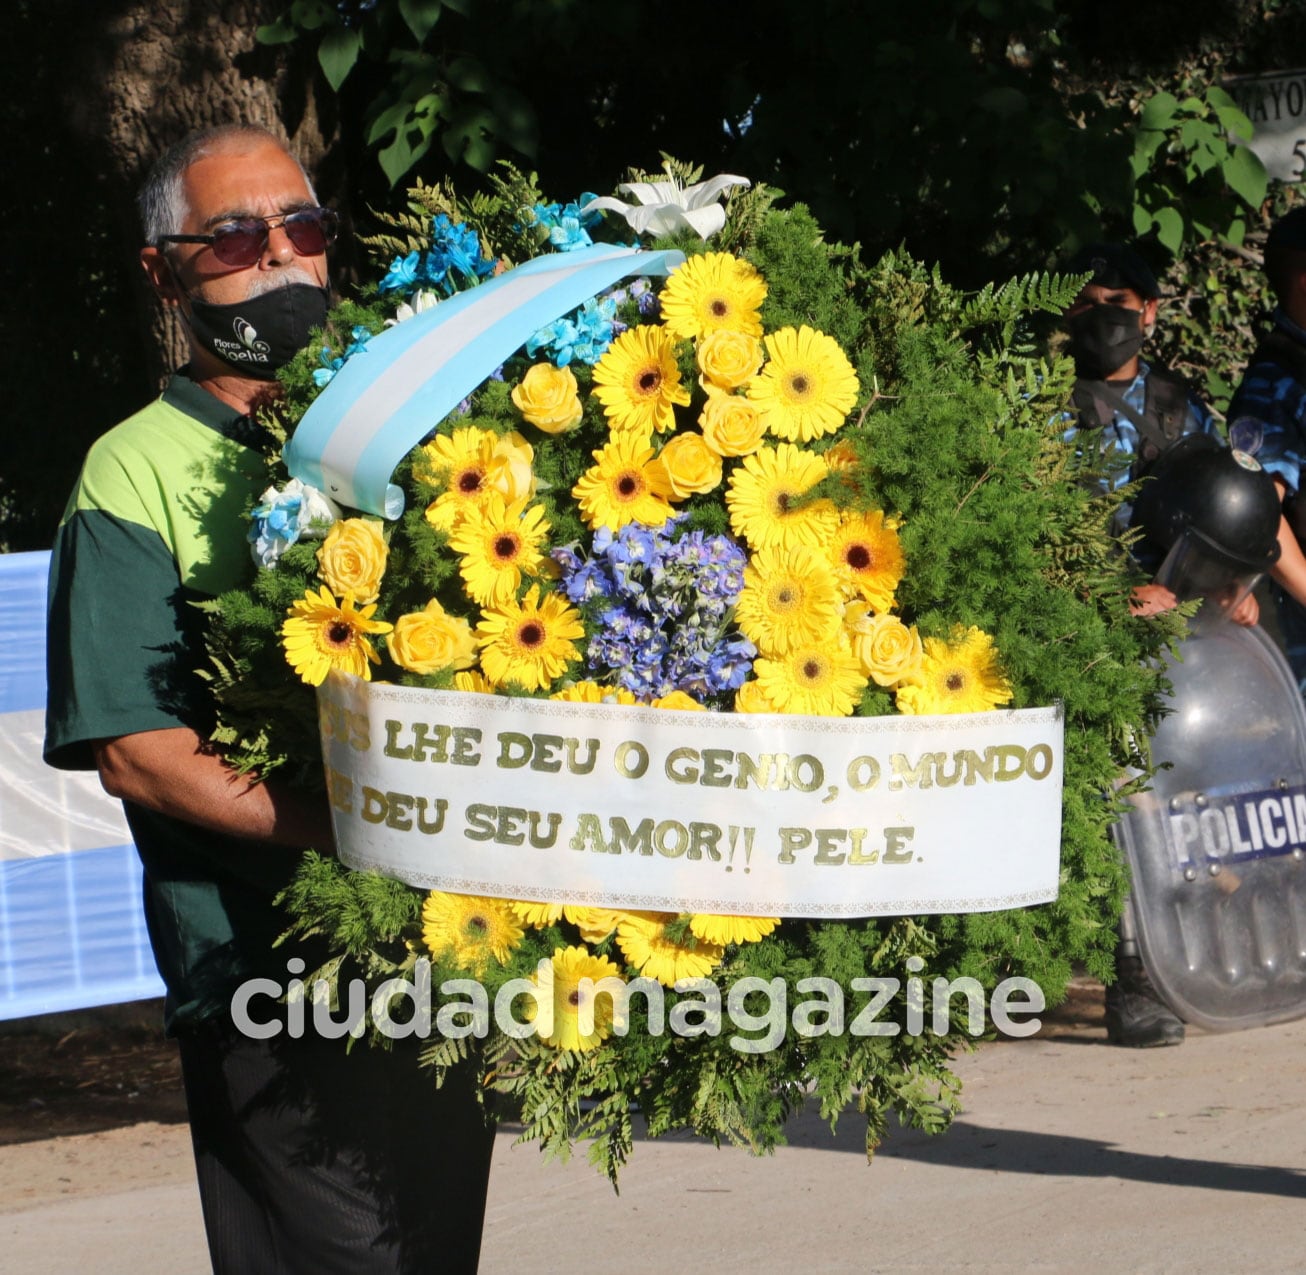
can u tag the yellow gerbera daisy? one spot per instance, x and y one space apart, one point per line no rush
593 693
807 388
473 681
538 916
594 924
323 634
627 485
638 382
499 543
711 291
470 929
446 454
958 676
464 464
529 643
790 599
825 680
765 499
644 941
574 970
867 557
732 929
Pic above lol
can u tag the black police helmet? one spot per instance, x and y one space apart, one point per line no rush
1221 496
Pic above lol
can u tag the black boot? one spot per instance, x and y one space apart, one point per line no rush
1136 1016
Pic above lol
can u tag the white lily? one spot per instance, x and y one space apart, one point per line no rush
662 208
422 299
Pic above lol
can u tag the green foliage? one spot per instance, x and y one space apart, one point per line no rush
1196 178
1218 303
424 93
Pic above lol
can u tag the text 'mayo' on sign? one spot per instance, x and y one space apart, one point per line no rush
1276 105
615 806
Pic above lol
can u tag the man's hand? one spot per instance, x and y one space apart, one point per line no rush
175 773
1151 599
1247 612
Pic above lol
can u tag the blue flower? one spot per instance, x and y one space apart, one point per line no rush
403 274
282 517
672 596
583 336
568 234
455 246
331 364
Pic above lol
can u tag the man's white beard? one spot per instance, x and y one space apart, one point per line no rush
282 277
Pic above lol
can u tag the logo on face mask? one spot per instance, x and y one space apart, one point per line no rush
247 335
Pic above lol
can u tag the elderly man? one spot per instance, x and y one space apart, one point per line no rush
308 1158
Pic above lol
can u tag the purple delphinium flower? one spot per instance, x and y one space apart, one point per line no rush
670 597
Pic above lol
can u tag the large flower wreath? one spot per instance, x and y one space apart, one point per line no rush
779 481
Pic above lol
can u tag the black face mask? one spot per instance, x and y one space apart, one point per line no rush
1104 338
258 336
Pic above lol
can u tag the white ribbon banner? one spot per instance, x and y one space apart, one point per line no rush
751 814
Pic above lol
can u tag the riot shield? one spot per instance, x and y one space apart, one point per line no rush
1217 846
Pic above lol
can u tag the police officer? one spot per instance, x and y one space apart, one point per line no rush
1131 411
1268 416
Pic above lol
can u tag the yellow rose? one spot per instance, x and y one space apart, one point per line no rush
547 398
432 640
691 466
728 359
888 650
731 425
751 698
352 559
678 699
510 469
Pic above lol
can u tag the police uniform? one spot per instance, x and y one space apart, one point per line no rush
1131 425
1268 416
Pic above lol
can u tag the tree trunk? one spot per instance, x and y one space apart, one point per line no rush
143 75
96 90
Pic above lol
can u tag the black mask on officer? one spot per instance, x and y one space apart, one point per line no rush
1103 338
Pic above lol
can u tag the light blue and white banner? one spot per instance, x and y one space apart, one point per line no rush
72 928
395 391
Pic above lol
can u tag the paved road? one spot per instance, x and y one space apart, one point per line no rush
1069 1156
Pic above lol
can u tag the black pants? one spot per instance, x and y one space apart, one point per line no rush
317 1161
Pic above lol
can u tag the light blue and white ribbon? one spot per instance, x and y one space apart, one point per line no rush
392 394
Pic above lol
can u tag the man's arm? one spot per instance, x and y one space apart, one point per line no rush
173 772
1290 570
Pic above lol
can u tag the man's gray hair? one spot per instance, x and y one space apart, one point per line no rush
162 201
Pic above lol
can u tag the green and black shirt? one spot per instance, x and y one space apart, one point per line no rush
157 522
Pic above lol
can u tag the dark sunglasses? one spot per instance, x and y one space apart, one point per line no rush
243 241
